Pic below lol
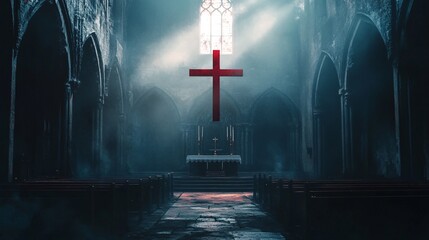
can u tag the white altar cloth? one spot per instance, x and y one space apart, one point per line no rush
213 158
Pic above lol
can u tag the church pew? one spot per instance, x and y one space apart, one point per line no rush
94 205
309 209
359 210
152 190
99 204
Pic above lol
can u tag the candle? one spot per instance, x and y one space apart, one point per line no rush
227 132
230 131
202 132
198 132
233 134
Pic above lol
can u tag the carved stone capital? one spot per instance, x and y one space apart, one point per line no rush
317 112
343 91
73 84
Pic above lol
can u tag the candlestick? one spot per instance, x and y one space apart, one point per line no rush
230 132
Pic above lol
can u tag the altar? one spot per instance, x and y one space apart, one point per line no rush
218 165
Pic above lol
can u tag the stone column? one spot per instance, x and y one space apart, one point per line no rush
295 147
347 133
246 144
250 132
187 141
121 142
317 141
98 136
68 113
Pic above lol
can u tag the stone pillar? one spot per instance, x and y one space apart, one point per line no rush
246 144
98 136
71 87
187 134
121 143
10 175
241 148
317 141
347 133
402 119
250 133
68 113
295 147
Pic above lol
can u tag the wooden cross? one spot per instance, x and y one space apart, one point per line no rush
216 72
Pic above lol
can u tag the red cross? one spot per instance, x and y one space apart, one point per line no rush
216 72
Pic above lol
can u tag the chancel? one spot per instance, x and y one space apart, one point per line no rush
130 119
214 164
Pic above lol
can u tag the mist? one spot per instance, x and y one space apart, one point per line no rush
164 43
162 53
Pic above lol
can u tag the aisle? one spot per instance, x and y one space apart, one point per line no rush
212 216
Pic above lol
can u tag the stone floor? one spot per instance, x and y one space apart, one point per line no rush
209 216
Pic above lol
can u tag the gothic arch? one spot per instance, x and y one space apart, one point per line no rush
42 70
156 91
155 134
290 105
276 132
368 105
91 52
6 20
67 31
327 119
64 21
115 85
202 108
113 123
87 111
200 114
414 104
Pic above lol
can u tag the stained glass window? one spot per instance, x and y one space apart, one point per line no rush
216 26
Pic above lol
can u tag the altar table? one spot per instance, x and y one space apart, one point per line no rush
220 165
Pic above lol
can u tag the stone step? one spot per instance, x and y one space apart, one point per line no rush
212 181
213 184
215 173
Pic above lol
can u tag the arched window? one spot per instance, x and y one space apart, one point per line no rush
216 26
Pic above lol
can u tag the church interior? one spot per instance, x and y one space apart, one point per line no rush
325 133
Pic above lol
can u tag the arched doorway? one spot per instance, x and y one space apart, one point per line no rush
5 84
371 113
41 73
276 131
156 137
113 124
327 120
414 64
87 111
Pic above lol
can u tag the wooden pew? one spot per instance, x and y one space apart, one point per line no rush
102 205
346 209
